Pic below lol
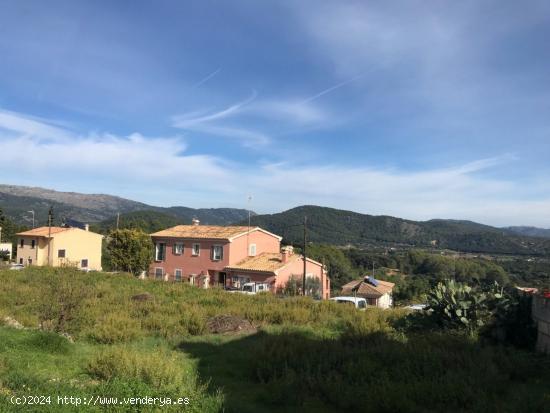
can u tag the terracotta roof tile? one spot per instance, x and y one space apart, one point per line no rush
366 289
203 232
265 262
43 231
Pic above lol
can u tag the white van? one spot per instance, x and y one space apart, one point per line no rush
357 302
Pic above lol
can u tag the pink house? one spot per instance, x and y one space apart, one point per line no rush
230 256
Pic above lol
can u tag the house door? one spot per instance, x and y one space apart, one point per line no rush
221 278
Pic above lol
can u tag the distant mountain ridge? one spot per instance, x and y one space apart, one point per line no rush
17 201
325 225
529 231
340 227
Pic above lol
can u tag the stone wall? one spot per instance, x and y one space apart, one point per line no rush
541 314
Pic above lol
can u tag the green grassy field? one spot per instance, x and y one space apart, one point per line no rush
306 356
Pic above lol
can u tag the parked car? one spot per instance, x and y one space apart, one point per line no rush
416 307
17 267
357 302
251 288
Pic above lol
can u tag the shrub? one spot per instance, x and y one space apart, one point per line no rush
116 328
158 369
164 372
61 301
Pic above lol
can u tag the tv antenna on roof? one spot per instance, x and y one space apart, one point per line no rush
248 233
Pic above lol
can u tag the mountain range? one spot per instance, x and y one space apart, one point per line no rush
17 201
324 225
530 231
340 227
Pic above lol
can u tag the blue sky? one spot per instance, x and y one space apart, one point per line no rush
415 109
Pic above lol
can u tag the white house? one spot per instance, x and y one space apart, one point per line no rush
5 246
377 293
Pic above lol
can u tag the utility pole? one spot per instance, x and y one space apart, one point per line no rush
50 217
32 212
117 219
373 270
305 257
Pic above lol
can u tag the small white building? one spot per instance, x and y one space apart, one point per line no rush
6 246
377 293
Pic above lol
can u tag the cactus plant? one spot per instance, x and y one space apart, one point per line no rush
456 305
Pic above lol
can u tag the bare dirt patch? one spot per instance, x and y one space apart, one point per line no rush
229 324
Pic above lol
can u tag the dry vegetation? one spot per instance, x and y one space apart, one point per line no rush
315 356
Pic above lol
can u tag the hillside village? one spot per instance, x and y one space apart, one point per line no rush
189 325
237 259
204 256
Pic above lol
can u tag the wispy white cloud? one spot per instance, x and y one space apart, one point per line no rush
206 78
251 117
331 89
159 170
36 150
188 121
28 125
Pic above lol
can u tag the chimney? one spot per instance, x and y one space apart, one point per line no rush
286 252
195 221
86 227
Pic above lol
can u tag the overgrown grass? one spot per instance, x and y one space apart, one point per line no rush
309 356
105 312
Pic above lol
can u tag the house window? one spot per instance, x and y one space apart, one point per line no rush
84 263
20 260
160 251
217 252
21 242
33 243
159 273
252 250
60 253
196 250
177 275
178 248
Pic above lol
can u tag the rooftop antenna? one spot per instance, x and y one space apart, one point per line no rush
248 233
32 212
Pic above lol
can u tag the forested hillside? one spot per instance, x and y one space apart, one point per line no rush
530 231
340 227
148 221
415 271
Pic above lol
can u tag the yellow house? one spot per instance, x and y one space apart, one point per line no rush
59 246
